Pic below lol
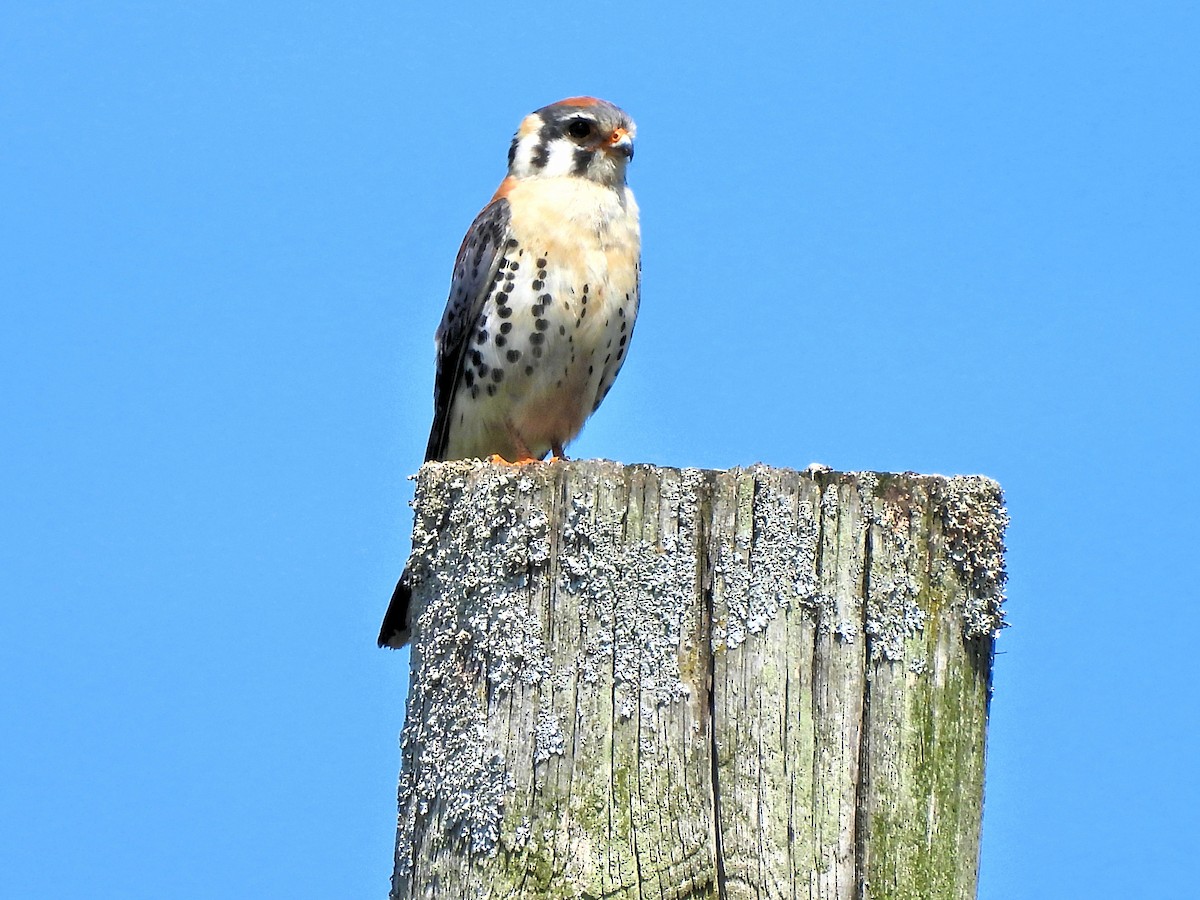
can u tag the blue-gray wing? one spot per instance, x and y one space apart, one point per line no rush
474 274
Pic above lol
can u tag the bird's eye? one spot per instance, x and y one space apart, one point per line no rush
580 128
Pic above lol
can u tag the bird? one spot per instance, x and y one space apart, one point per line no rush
543 300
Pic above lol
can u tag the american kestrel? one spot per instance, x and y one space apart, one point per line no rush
543 299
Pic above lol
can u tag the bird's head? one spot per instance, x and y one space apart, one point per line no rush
580 136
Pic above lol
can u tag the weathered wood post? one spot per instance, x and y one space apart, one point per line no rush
632 681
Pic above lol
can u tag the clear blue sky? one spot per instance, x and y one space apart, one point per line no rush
948 238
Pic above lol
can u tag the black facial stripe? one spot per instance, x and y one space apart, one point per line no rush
583 156
512 151
541 155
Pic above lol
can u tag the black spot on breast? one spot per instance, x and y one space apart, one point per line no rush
481 336
491 389
503 311
541 263
538 284
505 327
483 370
501 340
537 337
468 378
513 355
529 370
541 324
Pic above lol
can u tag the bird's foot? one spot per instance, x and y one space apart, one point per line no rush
498 460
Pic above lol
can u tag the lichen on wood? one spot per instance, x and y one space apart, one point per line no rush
649 682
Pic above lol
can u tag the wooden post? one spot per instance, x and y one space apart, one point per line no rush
641 682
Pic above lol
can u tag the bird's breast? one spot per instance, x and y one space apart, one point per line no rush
557 322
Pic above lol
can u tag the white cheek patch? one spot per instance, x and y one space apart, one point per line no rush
562 159
522 165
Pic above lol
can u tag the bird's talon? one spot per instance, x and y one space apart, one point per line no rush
497 460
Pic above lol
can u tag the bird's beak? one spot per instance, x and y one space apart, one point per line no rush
621 143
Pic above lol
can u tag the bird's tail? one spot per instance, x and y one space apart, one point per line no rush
397 622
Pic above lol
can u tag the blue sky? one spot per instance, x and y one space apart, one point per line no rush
947 238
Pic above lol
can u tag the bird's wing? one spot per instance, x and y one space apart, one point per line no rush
474 272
